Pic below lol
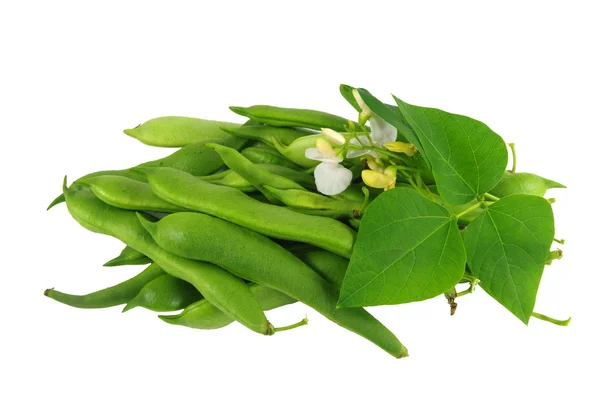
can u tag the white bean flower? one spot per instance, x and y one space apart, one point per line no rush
331 177
381 133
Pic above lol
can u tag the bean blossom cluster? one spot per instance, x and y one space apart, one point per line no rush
373 146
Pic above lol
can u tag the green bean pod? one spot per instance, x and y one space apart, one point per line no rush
256 258
257 176
267 155
164 294
175 131
288 117
233 179
267 134
204 315
128 194
304 199
128 256
195 159
523 183
111 296
226 291
230 204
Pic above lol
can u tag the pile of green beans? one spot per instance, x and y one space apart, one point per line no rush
229 226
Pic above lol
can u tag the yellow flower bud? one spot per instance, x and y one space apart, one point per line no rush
377 179
334 136
325 148
401 147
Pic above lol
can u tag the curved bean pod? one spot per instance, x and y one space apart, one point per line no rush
267 134
164 294
256 258
230 204
204 315
523 183
267 155
111 296
304 199
128 256
128 194
226 291
195 159
258 177
176 131
288 117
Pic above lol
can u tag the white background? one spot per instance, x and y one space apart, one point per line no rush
74 75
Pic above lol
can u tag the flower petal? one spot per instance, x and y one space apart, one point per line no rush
314 154
382 131
332 179
377 180
359 153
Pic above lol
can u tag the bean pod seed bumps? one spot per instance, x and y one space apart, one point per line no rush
397 204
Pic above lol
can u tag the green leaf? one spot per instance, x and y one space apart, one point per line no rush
408 249
392 115
346 92
466 156
507 245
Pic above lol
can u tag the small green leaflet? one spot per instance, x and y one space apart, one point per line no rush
408 249
507 245
466 156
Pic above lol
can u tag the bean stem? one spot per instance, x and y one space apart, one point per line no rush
561 241
562 323
292 326
514 157
473 207
490 196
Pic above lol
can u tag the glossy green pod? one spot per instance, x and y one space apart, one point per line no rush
226 291
230 204
258 177
128 256
268 134
523 183
195 159
128 194
233 179
267 155
204 315
164 294
176 131
111 296
288 117
304 199
256 258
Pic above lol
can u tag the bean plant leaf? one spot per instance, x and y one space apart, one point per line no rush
466 156
507 246
408 249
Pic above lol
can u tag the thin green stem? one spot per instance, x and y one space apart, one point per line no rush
514 157
561 241
490 196
562 323
471 208
292 326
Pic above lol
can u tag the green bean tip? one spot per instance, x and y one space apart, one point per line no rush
239 110
48 291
